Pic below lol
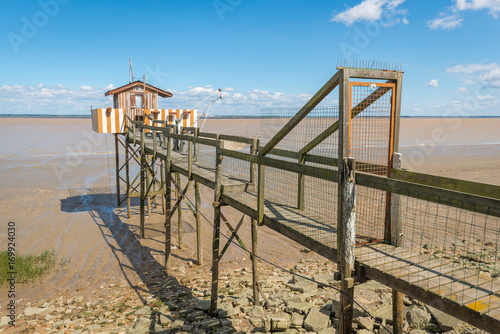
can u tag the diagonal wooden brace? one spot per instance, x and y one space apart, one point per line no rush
182 195
233 234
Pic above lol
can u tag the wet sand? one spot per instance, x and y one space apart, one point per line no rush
58 186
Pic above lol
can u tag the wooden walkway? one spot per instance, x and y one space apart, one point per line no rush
461 293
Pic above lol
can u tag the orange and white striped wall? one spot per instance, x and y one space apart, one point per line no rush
108 120
112 120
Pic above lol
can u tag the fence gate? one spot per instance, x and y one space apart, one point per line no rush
371 144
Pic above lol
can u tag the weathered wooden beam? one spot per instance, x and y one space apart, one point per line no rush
199 234
373 74
396 238
397 109
303 112
216 237
461 200
301 186
178 206
237 139
232 236
117 168
168 217
255 269
470 187
253 150
143 185
127 175
260 193
348 232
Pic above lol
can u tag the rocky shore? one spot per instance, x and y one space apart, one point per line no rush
178 303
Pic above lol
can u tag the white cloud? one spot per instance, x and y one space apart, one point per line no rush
86 88
432 83
372 10
405 20
492 5
108 87
490 78
471 68
445 22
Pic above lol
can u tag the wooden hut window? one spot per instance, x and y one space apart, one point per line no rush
138 101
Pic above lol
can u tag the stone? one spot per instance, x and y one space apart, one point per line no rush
297 320
364 331
79 299
386 329
302 286
280 322
142 324
30 311
433 327
196 315
331 330
143 310
242 301
203 304
210 324
49 317
365 323
446 322
256 311
177 324
225 330
4 321
302 307
226 310
417 317
316 320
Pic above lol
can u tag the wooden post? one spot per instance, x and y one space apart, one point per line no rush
163 174
127 173
168 217
255 273
178 193
260 194
117 166
396 240
253 150
148 182
300 186
143 180
190 159
216 236
348 199
199 235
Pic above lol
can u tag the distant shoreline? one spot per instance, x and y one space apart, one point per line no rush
217 117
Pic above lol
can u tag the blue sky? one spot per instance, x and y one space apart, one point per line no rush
60 56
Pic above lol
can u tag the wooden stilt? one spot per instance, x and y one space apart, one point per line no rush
168 201
199 235
216 236
148 186
255 273
127 175
348 242
143 185
168 218
117 168
180 227
163 181
396 240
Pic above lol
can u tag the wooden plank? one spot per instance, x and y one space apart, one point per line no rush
373 74
303 112
469 187
168 217
238 139
294 167
456 199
